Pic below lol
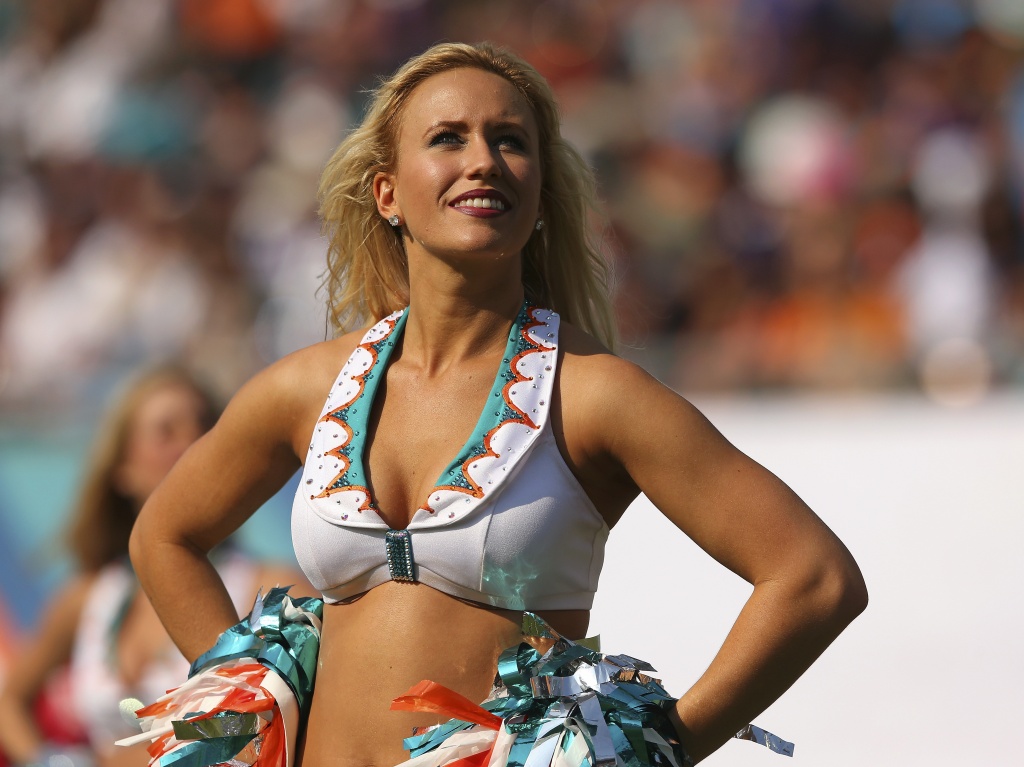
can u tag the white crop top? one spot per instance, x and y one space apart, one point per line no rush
507 524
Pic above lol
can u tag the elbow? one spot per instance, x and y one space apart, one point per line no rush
137 547
843 594
828 591
853 597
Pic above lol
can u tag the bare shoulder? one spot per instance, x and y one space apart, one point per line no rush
610 412
62 615
308 372
51 644
584 355
601 380
286 397
69 602
620 415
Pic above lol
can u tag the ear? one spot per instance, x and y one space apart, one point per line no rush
384 194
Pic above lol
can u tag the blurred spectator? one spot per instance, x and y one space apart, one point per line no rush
100 640
125 284
787 181
947 281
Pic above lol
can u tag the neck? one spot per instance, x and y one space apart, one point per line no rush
455 315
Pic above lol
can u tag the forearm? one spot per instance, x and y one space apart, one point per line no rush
186 591
20 740
781 630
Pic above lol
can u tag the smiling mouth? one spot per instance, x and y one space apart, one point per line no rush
481 202
489 203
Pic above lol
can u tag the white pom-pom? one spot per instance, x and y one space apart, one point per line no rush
128 708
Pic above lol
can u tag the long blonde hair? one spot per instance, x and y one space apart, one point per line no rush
102 519
367 276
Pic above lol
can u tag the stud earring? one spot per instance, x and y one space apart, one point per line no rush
539 225
394 220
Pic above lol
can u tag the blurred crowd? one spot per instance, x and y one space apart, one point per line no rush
819 194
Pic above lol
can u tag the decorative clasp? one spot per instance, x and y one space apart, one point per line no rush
398 544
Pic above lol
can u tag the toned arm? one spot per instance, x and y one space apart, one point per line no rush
807 587
219 482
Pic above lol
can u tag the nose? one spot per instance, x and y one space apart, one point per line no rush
482 160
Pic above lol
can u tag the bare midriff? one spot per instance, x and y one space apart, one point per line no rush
378 646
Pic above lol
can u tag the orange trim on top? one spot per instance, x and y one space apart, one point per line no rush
335 452
475 490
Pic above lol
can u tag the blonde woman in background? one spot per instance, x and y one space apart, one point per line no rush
479 442
100 623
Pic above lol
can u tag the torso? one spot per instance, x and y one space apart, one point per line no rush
430 635
454 399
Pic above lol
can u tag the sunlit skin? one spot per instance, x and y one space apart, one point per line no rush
464 131
619 431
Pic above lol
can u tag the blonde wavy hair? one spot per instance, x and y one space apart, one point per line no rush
367 275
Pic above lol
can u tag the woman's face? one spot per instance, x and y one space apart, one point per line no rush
468 177
167 421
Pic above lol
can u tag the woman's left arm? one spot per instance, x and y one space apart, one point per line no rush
807 587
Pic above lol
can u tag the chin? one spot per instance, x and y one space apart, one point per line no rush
477 248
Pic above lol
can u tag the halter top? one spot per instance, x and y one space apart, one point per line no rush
507 524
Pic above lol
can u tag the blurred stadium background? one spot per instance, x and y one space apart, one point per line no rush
814 212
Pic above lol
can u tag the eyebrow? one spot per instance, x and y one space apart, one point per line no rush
462 125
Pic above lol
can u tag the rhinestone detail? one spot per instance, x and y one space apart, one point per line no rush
398 545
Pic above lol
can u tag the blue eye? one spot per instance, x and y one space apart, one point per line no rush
445 137
511 141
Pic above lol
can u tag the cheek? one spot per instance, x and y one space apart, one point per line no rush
186 434
161 452
158 455
438 177
422 182
528 175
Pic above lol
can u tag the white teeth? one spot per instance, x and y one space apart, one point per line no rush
482 202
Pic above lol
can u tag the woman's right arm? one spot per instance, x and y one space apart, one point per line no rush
43 653
215 486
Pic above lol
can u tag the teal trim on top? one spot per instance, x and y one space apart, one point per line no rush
491 415
357 415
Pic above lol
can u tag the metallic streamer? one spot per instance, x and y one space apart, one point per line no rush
254 666
762 737
573 706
